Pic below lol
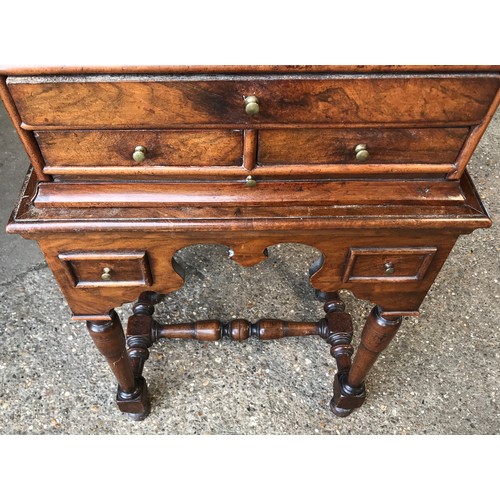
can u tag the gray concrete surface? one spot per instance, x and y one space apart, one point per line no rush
441 375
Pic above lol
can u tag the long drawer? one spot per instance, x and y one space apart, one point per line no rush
128 101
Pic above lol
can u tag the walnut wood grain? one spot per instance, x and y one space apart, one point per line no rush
383 229
125 268
376 336
109 339
278 172
249 246
121 102
398 146
354 192
237 329
473 140
369 264
31 222
176 147
26 137
250 149
244 69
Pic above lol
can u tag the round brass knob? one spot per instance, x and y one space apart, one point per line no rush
106 274
139 154
361 152
389 268
250 181
251 105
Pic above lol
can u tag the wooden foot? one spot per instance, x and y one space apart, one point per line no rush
337 331
345 398
137 404
141 333
349 386
132 394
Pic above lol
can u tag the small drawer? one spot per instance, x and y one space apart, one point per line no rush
387 264
138 101
330 146
109 148
107 269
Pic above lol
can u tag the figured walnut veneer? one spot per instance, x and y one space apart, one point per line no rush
110 224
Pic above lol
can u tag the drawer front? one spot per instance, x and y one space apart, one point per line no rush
160 102
176 148
323 146
107 269
387 264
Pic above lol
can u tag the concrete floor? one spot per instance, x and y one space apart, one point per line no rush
441 375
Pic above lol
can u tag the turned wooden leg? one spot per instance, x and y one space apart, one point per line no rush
132 394
141 330
337 331
349 391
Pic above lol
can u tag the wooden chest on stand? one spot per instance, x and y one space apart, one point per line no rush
129 165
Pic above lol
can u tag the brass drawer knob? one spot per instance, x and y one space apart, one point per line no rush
389 268
106 274
361 152
139 154
251 105
250 181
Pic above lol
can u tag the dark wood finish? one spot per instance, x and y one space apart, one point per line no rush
473 140
110 341
238 329
250 149
313 146
30 221
376 336
354 192
275 172
371 264
384 227
245 69
26 137
348 388
127 101
141 330
338 333
126 269
177 147
248 249
335 328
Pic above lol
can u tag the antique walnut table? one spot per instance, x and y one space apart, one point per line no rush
130 165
